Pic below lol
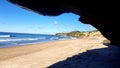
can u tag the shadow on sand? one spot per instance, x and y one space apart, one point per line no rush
97 58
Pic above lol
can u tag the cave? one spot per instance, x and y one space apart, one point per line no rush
102 15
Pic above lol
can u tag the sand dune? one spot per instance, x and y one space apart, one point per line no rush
61 54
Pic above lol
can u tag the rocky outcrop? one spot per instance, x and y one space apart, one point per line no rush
102 15
62 34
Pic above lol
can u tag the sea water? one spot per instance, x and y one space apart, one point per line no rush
8 39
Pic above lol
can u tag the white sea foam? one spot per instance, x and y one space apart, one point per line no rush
19 39
4 36
54 38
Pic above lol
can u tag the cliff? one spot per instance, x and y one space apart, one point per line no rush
94 33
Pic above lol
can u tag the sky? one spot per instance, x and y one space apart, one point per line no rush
16 19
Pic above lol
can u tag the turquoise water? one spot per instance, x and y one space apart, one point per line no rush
8 39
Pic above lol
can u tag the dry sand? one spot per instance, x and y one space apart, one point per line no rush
76 53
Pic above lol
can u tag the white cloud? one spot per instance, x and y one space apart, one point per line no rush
55 22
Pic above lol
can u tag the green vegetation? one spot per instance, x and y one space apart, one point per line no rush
75 34
78 33
81 34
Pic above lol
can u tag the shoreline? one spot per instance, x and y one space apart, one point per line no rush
43 55
29 43
17 50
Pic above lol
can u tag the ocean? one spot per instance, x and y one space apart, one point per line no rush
9 39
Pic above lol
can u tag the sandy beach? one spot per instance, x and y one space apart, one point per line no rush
75 53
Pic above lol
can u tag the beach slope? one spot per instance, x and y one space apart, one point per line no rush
60 54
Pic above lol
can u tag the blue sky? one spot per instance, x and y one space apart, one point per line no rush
16 19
